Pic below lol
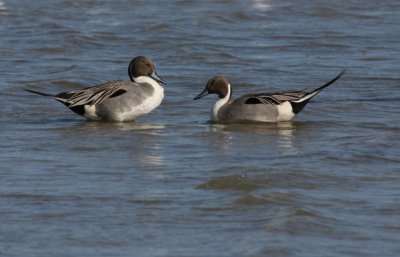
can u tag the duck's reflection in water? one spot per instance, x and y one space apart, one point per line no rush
116 126
141 141
284 132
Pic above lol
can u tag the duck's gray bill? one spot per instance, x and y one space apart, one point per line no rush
157 78
202 94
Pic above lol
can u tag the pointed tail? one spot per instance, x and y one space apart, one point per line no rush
310 95
37 92
298 105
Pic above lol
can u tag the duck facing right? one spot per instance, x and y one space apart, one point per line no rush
258 107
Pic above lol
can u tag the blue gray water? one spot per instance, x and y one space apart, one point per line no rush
172 184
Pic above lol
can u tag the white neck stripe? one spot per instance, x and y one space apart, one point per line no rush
218 104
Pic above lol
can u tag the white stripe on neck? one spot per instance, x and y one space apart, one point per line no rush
218 104
148 80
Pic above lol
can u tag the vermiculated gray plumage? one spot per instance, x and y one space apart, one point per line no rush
117 100
266 107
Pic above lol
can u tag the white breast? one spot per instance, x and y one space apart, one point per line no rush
148 104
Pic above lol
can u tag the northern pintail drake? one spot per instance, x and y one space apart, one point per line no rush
117 100
261 107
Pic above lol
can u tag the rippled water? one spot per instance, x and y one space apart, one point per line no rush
172 184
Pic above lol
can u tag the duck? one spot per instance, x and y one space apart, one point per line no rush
117 100
257 107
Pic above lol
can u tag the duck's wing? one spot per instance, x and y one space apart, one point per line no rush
92 95
298 99
271 98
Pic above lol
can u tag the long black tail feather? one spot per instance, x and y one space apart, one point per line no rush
329 83
37 92
299 104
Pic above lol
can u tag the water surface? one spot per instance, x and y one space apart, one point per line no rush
173 184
